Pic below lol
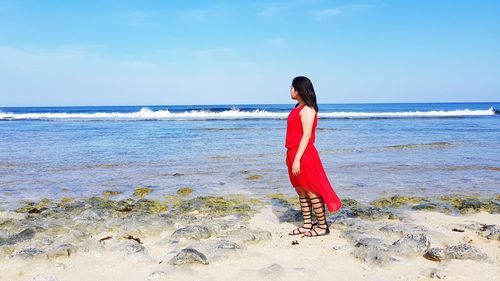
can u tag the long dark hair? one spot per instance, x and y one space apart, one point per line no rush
306 91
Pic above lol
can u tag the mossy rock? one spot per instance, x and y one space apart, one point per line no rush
150 206
174 201
373 213
245 200
35 207
184 191
215 206
66 200
254 177
350 203
398 201
490 206
471 204
109 193
283 199
426 207
125 205
99 202
142 191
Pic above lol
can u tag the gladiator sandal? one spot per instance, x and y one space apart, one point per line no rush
319 208
305 207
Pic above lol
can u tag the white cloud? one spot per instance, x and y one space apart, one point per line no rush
331 12
339 10
141 19
196 15
271 10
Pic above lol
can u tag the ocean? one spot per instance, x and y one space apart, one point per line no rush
368 150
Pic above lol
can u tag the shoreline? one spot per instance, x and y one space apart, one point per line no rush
223 238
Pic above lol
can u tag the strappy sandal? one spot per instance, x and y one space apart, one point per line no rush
306 215
314 233
320 216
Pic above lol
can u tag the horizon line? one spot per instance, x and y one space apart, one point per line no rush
146 105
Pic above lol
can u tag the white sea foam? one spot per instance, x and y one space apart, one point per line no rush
234 113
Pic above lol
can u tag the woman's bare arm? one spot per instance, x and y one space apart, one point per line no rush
307 120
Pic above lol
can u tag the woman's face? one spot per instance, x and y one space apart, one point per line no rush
294 93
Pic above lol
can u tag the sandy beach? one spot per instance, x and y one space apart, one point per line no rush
223 239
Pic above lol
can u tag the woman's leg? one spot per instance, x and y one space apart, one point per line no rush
305 207
319 209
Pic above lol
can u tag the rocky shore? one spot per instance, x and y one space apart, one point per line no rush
234 237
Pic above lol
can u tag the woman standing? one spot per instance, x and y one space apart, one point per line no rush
305 169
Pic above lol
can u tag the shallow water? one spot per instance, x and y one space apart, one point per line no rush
214 149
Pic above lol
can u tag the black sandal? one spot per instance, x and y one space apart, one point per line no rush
327 231
320 216
306 215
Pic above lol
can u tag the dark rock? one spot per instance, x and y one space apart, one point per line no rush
371 242
391 228
372 250
87 216
472 204
24 235
426 206
412 244
226 244
72 205
63 250
350 203
195 232
465 251
188 255
29 252
372 213
248 235
435 254
397 201
291 215
133 247
491 232
124 206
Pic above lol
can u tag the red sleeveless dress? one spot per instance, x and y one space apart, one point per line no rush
312 175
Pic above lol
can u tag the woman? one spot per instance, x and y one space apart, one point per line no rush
305 169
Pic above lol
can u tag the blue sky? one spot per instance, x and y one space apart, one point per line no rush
230 52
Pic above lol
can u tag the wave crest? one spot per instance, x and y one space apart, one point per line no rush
235 113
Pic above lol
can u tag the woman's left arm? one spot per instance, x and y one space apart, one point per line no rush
307 120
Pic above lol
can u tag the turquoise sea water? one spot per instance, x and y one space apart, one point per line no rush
367 149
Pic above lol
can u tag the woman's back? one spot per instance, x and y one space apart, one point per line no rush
294 128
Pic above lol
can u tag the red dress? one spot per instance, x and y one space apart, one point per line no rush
312 175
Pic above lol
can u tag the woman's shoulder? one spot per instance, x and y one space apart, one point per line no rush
307 110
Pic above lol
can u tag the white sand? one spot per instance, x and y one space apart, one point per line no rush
320 258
